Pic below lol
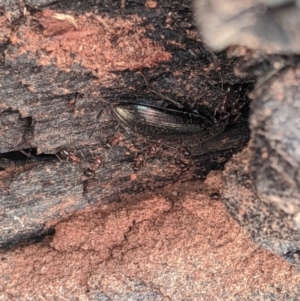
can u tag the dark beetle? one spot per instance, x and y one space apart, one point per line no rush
167 125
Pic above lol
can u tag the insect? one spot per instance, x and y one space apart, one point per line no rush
215 196
185 151
97 162
165 124
153 149
138 162
233 102
68 155
114 141
91 171
173 126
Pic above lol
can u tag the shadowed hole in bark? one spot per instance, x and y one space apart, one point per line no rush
41 236
24 155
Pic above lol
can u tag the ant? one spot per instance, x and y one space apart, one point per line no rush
97 162
149 152
138 162
115 140
232 103
91 171
68 155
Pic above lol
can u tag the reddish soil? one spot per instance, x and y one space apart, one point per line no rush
177 243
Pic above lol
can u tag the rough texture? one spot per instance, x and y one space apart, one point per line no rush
77 218
175 244
63 66
262 183
268 225
268 26
275 124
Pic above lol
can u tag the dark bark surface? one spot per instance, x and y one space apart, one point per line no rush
63 64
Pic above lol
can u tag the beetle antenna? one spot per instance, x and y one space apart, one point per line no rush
175 103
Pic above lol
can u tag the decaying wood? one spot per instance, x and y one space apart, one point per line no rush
62 66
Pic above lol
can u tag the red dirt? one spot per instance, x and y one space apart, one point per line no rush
178 242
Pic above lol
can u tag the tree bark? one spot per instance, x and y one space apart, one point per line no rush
63 66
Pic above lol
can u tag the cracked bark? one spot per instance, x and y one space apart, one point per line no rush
62 66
